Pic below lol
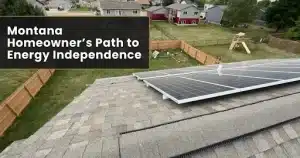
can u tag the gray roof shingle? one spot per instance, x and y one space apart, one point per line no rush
154 8
178 6
119 5
223 7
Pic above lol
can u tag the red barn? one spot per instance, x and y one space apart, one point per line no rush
157 13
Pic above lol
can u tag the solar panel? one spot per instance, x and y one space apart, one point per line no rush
159 73
203 82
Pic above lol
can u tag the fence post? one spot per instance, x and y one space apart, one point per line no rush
50 72
205 60
26 89
38 75
10 109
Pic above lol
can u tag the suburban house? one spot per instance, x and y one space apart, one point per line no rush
119 8
157 13
143 3
215 14
205 8
183 14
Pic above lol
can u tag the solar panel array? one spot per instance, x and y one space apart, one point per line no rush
189 84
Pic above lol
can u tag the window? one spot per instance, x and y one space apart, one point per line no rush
108 11
135 12
184 13
195 13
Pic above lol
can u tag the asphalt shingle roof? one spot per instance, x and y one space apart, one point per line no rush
119 5
122 110
178 6
146 2
154 8
223 7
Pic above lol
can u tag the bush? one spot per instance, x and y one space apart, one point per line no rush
294 32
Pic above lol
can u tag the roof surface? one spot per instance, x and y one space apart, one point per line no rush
154 8
119 5
108 117
178 6
223 7
143 2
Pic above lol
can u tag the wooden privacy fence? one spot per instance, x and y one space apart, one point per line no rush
284 44
14 104
197 54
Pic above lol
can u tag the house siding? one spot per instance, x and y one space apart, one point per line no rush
189 13
214 15
187 20
124 12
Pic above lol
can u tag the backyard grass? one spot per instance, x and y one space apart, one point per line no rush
12 79
80 9
67 84
258 51
156 34
195 33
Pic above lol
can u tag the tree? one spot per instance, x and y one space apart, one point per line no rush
294 32
167 2
200 3
219 2
240 11
19 8
283 14
264 4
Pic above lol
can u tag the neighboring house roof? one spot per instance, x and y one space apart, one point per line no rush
178 6
119 5
187 1
223 7
145 2
154 8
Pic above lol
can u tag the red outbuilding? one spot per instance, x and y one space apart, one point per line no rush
157 13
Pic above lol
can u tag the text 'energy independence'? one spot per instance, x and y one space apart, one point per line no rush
44 56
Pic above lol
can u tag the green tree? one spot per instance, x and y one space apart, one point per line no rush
167 2
19 8
283 14
200 3
240 11
294 32
219 2
264 4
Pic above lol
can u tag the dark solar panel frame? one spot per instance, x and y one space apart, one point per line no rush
185 86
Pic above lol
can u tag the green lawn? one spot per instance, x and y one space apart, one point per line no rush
67 84
195 33
80 9
12 79
258 51
156 34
